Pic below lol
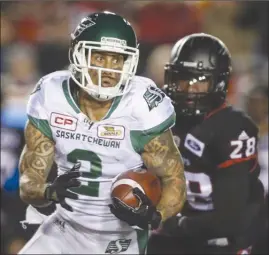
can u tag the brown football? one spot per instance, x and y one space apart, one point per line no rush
145 180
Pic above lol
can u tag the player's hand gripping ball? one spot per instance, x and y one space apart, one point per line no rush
134 196
144 180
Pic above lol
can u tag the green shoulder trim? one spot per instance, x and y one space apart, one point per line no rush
140 138
68 96
115 103
72 100
42 125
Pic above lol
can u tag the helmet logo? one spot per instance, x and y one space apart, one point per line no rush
114 42
85 23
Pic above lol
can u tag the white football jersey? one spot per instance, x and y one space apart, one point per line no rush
105 148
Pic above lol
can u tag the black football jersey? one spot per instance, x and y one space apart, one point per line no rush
224 138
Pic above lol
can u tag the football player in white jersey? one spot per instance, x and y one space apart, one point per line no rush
96 121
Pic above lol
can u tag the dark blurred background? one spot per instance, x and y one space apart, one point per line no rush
35 39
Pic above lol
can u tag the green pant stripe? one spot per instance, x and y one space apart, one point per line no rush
142 239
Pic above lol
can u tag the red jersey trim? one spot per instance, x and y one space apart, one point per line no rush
231 162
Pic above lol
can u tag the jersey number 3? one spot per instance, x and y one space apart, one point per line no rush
243 148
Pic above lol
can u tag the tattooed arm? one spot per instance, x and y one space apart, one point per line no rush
163 158
35 163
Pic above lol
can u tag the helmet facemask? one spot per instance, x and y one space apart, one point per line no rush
80 58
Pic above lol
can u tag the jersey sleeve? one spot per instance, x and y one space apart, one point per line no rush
238 143
154 114
36 109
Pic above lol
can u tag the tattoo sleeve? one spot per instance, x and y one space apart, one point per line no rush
35 164
163 158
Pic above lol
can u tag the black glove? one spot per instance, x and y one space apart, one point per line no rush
174 226
142 217
57 191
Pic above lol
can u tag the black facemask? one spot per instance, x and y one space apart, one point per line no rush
191 103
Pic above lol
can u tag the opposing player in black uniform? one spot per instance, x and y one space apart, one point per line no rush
223 212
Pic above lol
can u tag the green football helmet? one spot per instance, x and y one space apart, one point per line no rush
104 31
